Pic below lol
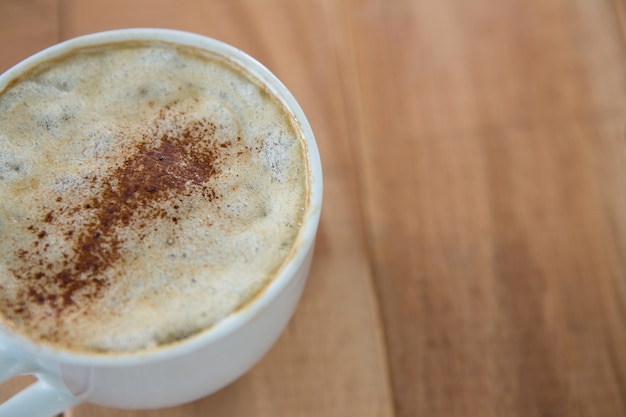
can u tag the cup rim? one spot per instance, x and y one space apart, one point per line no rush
302 245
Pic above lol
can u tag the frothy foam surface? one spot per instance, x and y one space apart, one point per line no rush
147 191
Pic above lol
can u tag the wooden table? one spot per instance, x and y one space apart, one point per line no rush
471 258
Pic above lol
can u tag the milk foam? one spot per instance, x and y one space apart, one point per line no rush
147 191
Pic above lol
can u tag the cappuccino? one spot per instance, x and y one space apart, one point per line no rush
147 191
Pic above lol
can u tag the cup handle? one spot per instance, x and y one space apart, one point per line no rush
41 399
10 367
38 400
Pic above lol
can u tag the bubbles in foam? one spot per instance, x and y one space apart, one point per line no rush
160 57
99 141
12 166
55 117
229 126
64 78
275 157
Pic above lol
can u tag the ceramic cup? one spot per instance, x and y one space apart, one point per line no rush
189 369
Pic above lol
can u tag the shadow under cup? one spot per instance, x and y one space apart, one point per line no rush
201 364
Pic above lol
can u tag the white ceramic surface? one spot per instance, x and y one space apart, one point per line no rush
189 369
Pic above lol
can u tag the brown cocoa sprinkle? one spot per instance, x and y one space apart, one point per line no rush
49 217
176 162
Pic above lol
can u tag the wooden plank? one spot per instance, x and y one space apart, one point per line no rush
620 11
25 28
331 360
493 164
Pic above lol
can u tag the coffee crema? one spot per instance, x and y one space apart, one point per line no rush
147 191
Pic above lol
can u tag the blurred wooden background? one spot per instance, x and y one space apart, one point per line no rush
471 258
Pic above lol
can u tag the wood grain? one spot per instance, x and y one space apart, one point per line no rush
493 168
471 258
25 28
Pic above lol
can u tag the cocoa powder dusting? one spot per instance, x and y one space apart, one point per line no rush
163 168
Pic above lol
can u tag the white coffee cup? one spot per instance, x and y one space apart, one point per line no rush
189 369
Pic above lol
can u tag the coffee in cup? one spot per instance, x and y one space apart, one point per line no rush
148 190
